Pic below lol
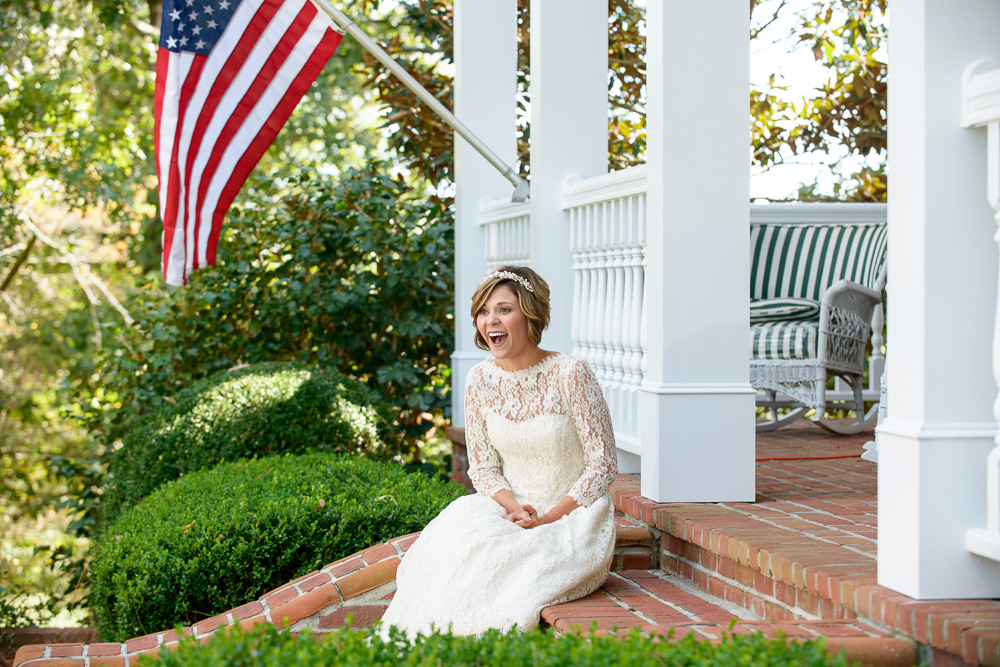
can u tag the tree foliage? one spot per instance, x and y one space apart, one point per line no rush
847 113
355 275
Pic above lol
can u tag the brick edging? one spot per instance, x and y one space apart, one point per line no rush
284 606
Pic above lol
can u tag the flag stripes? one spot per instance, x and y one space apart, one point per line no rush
217 110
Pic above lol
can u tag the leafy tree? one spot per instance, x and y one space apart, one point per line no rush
354 275
848 111
424 142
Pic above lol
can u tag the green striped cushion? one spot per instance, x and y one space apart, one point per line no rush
783 310
784 340
804 260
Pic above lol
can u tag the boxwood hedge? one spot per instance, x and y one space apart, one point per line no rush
215 539
264 409
264 646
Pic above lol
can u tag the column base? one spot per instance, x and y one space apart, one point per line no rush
697 442
931 491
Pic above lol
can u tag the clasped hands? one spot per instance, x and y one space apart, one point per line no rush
525 517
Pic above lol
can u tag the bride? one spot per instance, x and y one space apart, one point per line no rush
540 529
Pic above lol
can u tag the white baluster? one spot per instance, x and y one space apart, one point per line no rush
574 222
876 363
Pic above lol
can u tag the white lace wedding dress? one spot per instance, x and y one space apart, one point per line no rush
544 433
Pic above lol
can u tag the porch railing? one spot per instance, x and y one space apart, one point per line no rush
608 232
981 108
607 217
507 231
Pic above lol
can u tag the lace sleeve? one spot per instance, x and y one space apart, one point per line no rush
485 464
593 425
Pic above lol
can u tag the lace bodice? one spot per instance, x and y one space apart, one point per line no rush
543 432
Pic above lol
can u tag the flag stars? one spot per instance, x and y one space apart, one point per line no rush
184 41
180 27
212 25
208 9
194 16
175 15
171 43
196 30
200 45
224 5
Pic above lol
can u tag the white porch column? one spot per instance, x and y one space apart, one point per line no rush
569 136
939 429
696 403
485 36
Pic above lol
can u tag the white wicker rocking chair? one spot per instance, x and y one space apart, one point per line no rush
814 290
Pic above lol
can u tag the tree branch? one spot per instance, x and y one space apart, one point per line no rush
17 264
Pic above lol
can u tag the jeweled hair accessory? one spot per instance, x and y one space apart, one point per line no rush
508 275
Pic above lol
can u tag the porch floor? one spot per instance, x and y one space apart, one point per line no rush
801 556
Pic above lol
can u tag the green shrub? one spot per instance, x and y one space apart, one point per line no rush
265 646
215 539
254 412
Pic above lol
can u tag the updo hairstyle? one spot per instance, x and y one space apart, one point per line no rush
534 303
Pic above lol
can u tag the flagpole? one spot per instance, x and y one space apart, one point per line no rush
341 20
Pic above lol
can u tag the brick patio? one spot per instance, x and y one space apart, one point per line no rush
805 550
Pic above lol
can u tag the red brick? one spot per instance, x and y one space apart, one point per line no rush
247 610
314 582
632 535
346 567
141 643
735 595
31 652
717 587
211 624
104 649
248 623
66 651
806 602
305 605
378 552
636 562
981 645
370 577
59 662
282 596
107 661
784 593
763 583
363 616
172 636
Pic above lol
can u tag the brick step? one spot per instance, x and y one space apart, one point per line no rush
789 558
651 602
636 548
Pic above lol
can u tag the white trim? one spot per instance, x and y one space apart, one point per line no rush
983 543
496 210
697 388
818 212
981 93
578 191
628 444
943 431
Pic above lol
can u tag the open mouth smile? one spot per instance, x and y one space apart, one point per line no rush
497 338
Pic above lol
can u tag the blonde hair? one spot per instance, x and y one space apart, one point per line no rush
534 302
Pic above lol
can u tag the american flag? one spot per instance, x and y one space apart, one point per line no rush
229 73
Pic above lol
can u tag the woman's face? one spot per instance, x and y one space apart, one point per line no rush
503 325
